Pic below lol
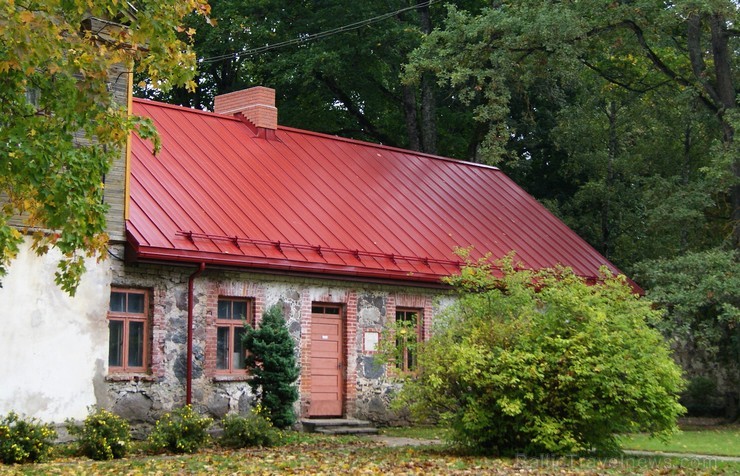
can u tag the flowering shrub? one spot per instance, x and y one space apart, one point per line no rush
103 436
24 441
253 430
181 431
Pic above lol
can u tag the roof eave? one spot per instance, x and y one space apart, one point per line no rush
282 266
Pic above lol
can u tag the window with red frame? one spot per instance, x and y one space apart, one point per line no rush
233 314
128 327
408 335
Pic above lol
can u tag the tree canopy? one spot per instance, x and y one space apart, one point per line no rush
621 118
337 72
54 76
647 83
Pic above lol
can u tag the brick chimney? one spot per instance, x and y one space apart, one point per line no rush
256 104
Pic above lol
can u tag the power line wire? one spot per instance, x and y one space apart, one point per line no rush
316 36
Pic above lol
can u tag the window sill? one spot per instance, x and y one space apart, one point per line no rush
129 377
230 378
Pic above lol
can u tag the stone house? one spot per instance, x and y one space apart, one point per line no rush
235 214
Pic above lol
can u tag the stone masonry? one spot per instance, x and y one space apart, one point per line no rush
368 386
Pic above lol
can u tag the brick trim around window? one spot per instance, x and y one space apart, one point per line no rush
129 331
220 329
414 317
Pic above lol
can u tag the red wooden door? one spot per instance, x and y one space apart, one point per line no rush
327 366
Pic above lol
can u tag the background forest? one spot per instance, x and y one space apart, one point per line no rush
619 116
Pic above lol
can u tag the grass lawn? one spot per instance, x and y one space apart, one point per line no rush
716 440
349 456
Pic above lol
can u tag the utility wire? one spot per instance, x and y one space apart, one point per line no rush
316 36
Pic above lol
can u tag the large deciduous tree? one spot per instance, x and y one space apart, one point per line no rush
621 117
343 79
495 57
53 88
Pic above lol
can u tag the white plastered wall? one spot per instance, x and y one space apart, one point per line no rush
53 347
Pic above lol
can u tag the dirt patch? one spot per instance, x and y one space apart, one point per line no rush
395 441
694 422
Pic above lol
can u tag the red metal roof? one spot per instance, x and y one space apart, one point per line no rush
219 193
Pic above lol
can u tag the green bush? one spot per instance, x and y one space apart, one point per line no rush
542 362
181 431
102 436
253 430
24 440
701 398
271 362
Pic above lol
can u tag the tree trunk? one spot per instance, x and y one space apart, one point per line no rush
685 170
726 93
355 111
479 133
412 124
609 180
428 106
428 116
721 91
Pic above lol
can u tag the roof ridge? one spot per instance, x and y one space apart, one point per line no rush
151 102
386 147
295 130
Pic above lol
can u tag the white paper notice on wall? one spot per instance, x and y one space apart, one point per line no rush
324 337
371 341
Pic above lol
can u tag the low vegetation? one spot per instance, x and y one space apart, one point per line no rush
102 436
180 431
254 429
304 454
244 449
24 440
544 363
719 440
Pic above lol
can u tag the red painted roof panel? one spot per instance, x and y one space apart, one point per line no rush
301 201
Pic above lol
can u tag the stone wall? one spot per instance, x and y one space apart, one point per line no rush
367 308
713 382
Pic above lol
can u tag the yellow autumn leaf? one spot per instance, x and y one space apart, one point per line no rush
26 16
8 65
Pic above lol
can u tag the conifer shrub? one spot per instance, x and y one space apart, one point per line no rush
180 431
255 429
272 364
544 362
25 440
102 436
